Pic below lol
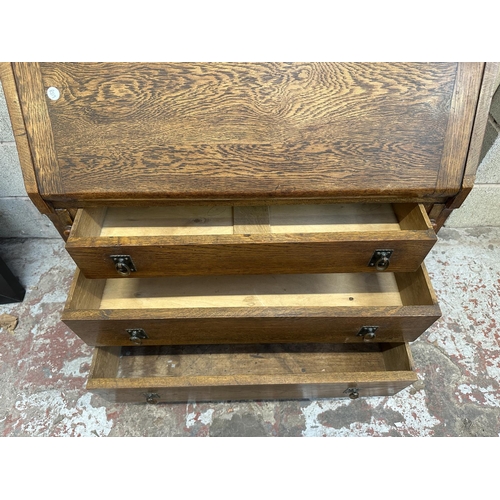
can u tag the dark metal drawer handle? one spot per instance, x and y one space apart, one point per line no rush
152 397
368 332
380 259
352 392
136 335
123 264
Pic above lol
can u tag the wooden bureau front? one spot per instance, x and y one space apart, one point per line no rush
249 230
248 131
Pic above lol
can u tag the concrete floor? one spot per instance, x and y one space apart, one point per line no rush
43 365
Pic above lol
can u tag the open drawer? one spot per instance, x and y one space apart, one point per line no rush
243 372
215 240
338 307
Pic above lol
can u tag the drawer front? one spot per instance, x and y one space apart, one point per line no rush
216 240
351 308
203 373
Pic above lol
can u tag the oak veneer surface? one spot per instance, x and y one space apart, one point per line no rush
248 130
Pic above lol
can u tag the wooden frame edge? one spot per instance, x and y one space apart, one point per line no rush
491 74
31 181
463 107
21 138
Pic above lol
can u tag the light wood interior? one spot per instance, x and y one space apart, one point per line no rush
332 218
168 221
416 288
285 290
215 219
267 359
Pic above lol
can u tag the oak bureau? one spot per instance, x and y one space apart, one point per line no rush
249 230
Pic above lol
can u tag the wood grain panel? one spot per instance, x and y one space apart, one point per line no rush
84 293
416 288
251 220
106 363
371 384
333 218
19 130
255 254
167 221
299 324
461 120
33 101
269 290
88 223
237 130
488 87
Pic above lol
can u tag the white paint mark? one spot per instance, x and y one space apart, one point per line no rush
465 389
491 395
73 368
205 418
49 414
469 303
415 417
312 411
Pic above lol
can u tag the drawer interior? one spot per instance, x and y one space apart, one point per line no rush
251 291
299 360
242 372
258 359
224 220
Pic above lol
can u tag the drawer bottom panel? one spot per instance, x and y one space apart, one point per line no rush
180 374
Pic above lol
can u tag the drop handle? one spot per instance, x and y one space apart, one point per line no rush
368 332
352 392
152 398
382 264
123 264
136 335
381 259
122 268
